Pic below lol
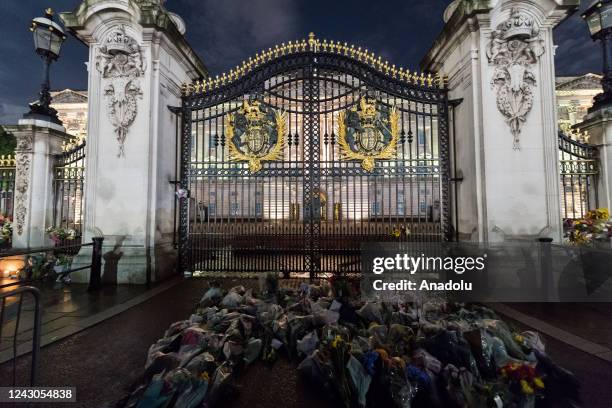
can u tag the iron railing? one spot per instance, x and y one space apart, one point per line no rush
579 170
7 197
68 186
7 185
31 270
11 303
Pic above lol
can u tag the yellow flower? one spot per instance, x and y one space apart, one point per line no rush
526 388
519 339
336 342
205 376
396 233
538 382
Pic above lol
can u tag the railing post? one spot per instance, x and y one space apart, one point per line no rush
546 267
95 277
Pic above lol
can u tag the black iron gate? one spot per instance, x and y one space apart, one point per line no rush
579 170
298 156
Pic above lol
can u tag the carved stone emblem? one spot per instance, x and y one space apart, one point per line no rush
23 160
256 133
515 47
120 62
368 132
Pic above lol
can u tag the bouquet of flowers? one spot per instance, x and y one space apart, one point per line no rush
523 381
59 234
400 232
595 227
6 229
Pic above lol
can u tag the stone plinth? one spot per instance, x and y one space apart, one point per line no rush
37 143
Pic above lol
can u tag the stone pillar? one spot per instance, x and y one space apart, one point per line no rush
598 124
37 143
499 57
138 59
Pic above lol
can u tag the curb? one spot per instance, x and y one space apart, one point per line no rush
587 346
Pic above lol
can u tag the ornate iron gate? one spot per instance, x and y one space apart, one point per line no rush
579 169
298 156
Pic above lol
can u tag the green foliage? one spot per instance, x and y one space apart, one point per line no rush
7 142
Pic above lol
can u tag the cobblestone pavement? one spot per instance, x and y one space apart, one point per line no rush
102 361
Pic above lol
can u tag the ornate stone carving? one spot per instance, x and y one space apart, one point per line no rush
515 47
120 62
23 160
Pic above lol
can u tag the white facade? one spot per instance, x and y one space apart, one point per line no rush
510 184
131 145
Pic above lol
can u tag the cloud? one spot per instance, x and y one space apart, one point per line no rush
576 53
10 113
225 32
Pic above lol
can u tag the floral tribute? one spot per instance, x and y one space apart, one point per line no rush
59 234
358 353
595 227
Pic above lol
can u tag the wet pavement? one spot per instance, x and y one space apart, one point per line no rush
62 306
590 321
104 360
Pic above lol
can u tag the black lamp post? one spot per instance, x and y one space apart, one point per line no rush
48 39
599 19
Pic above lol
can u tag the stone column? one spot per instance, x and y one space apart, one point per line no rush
37 143
599 126
499 57
138 59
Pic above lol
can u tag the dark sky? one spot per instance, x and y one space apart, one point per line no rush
224 32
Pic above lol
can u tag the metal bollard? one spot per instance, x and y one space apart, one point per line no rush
95 277
546 267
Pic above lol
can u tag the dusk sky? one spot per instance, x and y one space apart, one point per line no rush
225 32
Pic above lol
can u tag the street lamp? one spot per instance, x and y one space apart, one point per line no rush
48 39
599 19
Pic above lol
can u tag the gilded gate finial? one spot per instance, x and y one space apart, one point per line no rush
313 44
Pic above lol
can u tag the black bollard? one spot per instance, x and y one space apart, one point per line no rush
95 277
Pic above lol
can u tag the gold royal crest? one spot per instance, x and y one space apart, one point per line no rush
367 133
255 134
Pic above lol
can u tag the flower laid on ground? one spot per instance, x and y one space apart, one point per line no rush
595 227
369 354
59 234
523 377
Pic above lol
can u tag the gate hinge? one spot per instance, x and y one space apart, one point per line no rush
456 179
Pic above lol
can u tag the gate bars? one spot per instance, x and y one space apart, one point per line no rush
310 209
579 169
